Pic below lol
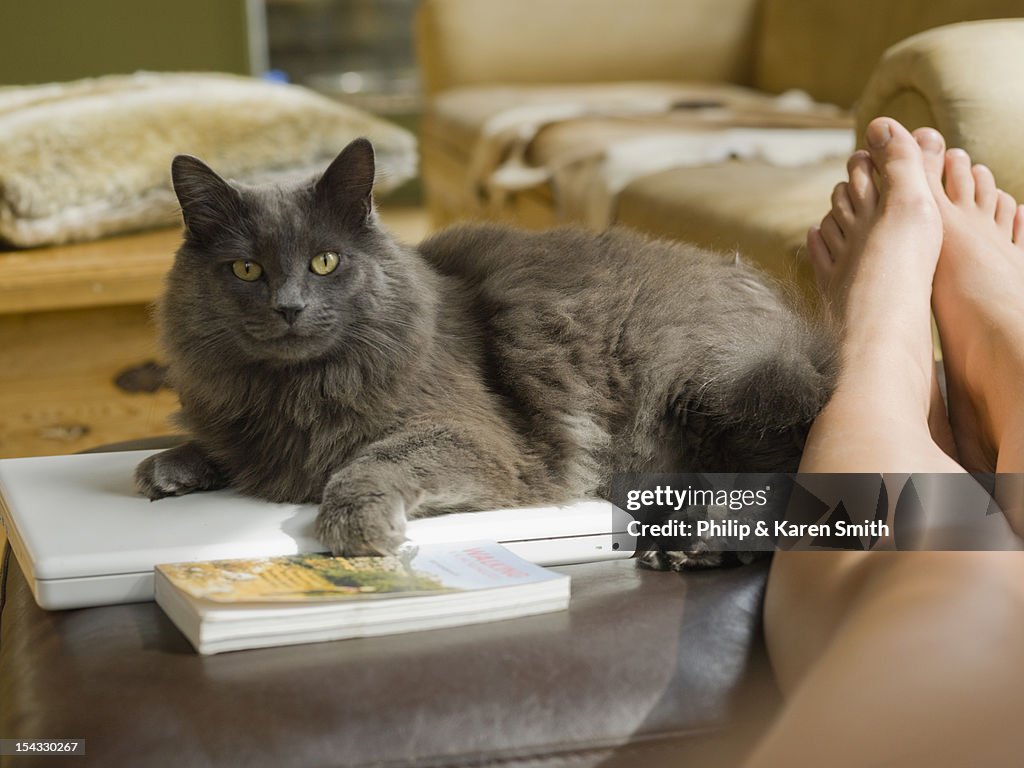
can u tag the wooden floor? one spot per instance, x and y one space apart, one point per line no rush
58 368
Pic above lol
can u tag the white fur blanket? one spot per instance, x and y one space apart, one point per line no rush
92 157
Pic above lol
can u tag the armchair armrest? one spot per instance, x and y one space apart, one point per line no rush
473 42
963 80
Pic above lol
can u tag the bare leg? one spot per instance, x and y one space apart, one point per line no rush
920 663
890 658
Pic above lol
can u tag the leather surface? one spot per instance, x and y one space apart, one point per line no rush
829 48
962 79
467 42
659 660
823 47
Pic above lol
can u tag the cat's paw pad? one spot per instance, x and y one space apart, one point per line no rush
175 472
363 524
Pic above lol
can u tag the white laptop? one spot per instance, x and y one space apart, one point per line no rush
84 537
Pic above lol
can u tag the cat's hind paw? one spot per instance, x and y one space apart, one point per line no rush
694 560
658 560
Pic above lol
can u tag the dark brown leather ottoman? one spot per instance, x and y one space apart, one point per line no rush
643 667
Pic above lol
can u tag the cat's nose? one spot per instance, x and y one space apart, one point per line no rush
290 312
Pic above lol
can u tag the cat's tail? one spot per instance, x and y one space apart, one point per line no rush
786 374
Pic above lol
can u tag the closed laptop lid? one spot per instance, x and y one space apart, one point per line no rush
80 516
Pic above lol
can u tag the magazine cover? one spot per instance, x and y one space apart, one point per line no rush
310 577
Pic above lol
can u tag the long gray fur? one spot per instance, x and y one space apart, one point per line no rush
489 367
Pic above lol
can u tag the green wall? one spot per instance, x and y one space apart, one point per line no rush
48 40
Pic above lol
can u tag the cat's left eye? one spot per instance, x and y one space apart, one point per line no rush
324 263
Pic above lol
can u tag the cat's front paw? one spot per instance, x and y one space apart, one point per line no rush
175 472
356 523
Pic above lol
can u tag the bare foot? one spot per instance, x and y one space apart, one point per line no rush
857 195
874 255
979 305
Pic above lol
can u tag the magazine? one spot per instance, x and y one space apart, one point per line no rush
225 605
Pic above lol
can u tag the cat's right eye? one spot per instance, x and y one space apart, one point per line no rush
247 270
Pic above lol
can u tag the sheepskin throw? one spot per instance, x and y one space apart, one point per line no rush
90 158
587 143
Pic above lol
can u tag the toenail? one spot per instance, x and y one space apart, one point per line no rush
879 133
930 141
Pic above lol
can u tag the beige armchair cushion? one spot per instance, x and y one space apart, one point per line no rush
966 80
759 210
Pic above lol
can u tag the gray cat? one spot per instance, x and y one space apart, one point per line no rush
317 360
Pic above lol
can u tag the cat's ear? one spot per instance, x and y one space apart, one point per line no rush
207 201
346 188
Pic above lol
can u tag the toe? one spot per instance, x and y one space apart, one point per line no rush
821 259
861 187
986 194
842 207
897 157
959 179
1006 208
1018 227
832 234
933 150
